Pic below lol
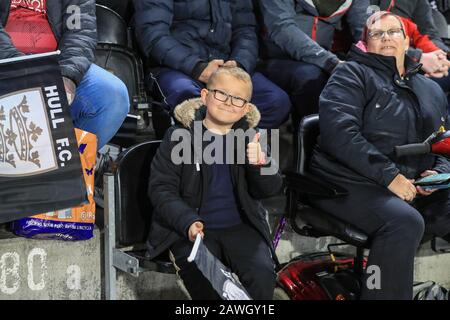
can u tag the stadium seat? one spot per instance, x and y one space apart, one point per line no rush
128 213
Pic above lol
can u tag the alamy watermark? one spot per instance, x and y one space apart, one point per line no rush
234 143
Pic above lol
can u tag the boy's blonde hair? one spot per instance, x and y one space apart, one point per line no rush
235 72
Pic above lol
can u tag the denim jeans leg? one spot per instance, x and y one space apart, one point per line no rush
101 104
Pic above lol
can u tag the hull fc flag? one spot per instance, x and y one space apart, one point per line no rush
218 275
40 168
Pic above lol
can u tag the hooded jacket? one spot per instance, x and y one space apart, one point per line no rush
366 110
294 29
176 190
77 45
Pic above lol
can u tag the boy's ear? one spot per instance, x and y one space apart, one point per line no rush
203 94
247 108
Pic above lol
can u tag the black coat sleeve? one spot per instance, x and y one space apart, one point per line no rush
164 191
153 20
7 48
341 109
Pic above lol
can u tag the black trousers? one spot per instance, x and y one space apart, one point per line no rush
396 229
302 81
242 249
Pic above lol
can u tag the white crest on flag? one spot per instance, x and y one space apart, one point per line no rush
26 145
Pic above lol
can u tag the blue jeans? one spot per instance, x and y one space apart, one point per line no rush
272 102
101 104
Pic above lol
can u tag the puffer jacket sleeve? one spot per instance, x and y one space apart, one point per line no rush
356 17
341 109
7 49
153 19
164 191
79 38
244 42
279 19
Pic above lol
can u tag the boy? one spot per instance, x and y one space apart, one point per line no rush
215 200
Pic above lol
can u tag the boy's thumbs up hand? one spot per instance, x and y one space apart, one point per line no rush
254 154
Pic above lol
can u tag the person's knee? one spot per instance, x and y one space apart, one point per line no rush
121 98
274 109
410 225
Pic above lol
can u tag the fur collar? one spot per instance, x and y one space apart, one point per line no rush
193 109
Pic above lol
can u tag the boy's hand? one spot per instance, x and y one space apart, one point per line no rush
254 154
194 229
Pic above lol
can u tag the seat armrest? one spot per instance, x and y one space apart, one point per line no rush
311 185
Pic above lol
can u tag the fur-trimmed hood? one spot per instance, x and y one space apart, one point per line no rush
193 109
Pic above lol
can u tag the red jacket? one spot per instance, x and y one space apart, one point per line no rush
418 40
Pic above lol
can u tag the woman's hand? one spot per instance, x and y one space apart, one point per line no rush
420 190
403 188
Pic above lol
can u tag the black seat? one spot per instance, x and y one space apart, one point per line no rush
128 213
115 53
301 185
124 8
111 27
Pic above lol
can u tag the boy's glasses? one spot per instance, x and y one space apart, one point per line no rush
223 97
392 33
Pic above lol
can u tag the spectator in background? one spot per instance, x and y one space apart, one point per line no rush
297 43
31 27
426 45
189 40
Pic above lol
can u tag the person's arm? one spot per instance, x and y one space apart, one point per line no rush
7 48
356 17
279 19
341 109
164 191
79 38
244 41
262 173
153 20
417 39
423 17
